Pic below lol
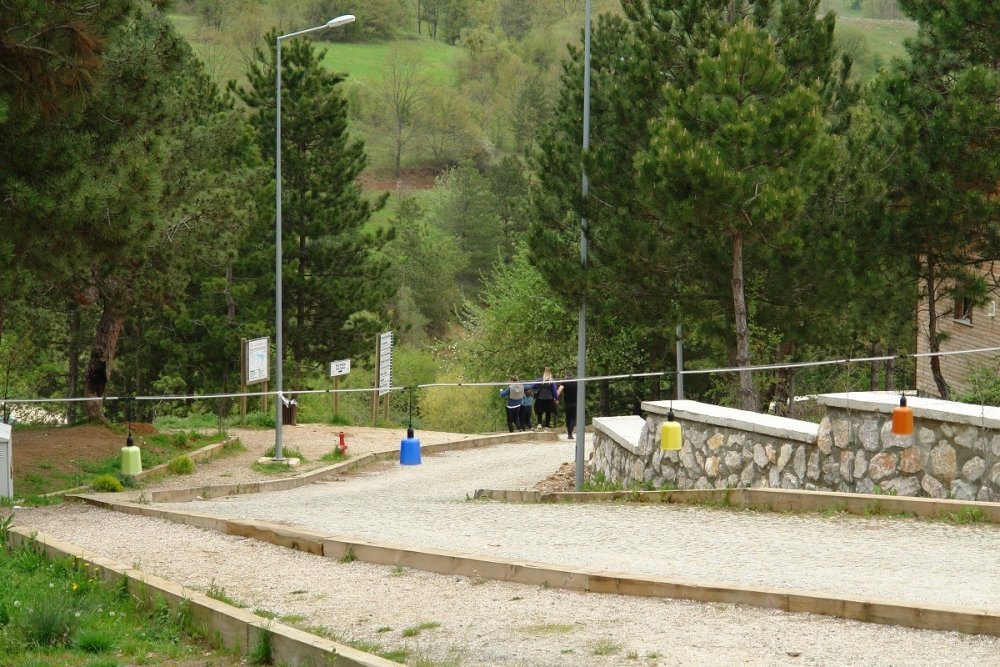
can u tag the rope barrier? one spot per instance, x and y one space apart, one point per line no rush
504 383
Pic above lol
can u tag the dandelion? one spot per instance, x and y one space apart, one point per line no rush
17 603
77 614
74 586
111 613
51 585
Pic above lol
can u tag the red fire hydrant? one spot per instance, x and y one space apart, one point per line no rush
343 445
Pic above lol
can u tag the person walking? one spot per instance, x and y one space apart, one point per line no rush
514 393
527 405
545 399
567 391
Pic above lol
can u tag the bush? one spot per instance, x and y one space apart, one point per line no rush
107 483
182 465
180 440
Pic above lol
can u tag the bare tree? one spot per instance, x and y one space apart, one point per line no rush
398 97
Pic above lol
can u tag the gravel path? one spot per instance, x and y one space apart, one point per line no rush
494 623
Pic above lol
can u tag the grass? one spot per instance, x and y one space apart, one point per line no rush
599 483
366 62
967 515
547 629
53 613
415 630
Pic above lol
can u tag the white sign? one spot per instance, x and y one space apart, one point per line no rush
384 362
342 367
257 363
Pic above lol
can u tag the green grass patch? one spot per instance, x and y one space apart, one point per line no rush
54 613
415 630
182 465
967 515
334 456
366 62
605 647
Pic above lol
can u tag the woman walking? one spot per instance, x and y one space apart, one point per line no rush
514 393
545 398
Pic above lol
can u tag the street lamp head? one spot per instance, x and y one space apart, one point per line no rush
340 20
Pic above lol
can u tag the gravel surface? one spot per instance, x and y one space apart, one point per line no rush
494 623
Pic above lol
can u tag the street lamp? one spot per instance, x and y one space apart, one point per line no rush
278 344
581 336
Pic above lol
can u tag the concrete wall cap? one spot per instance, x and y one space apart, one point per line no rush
923 408
717 415
623 430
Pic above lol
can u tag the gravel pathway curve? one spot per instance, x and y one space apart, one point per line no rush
495 623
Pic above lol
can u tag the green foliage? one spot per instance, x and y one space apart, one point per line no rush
967 515
107 483
262 649
325 210
983 387
380 20
182 465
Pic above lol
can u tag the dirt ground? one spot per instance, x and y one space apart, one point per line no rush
41 450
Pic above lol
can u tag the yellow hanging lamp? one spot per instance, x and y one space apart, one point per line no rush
670 432
902 418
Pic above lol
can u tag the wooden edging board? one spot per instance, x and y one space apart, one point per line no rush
288 483
236 629
869 610
776 500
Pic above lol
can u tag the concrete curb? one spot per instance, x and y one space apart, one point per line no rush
288 483
774 500
869 610
234 628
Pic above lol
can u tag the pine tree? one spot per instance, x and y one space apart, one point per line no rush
336 282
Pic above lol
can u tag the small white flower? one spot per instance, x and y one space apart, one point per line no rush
17 603
51 585
111 613
77 614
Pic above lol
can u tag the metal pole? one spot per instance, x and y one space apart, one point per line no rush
680 362
581 347
278 349
278 343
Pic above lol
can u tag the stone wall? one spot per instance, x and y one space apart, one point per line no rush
954 451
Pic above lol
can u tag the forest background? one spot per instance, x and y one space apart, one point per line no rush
783 179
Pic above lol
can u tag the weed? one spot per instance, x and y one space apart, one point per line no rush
94 640
286 452
261 653
107 483
834 509
605 647
348 556
217 592
47 621
264 613
632 655
334 456
5 525
180 440
967 515
567 651
415 630
397 571
874 508
879 491
293 618
384 628
182 465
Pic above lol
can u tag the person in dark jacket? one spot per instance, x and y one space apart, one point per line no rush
514 393
545 398
567 392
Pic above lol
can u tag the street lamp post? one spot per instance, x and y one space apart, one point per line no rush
278 343
581 337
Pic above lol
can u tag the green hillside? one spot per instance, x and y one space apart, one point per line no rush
364 62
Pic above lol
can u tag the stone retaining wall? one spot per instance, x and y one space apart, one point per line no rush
954 451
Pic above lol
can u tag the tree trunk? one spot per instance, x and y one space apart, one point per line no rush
932 334
73 375
874 368
747 397
102 356
890 371
654 388
604 397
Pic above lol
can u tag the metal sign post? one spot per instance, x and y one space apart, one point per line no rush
338 368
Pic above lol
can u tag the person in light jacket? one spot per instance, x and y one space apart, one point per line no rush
514 393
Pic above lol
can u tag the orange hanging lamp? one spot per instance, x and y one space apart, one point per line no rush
902 418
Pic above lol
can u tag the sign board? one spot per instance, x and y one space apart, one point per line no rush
6 463
384 363
341 367
257 362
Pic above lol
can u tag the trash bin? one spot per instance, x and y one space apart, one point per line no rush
290 413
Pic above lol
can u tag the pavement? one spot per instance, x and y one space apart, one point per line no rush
430 506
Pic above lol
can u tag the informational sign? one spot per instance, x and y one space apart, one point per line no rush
384 363
257 362
6 463
341 367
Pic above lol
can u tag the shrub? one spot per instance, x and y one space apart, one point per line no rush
182 465
48 622
94 641
180 440
108 483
